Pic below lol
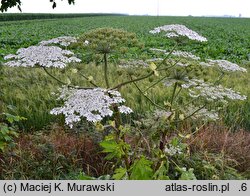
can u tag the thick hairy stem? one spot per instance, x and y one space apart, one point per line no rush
163 141
177 94
173 95
64 83
117 117
106 70
126 160
118 123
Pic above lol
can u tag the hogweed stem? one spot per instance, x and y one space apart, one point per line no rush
106 70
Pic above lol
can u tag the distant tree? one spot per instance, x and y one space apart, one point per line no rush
6 4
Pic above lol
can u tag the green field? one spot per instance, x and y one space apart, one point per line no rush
228 37
28 91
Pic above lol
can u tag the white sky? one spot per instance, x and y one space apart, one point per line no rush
166 7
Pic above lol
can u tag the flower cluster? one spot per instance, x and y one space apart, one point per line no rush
176 30
158 50
63 41
183 54
172 150
198 88
44 56
222 64
203 113
178 53
171 34
226 65
93 104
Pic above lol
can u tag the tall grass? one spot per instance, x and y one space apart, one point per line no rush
30 90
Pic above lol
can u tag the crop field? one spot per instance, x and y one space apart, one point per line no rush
153 134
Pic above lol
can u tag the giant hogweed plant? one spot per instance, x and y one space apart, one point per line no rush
151 147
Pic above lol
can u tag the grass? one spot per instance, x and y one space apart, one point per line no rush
53 154
234 146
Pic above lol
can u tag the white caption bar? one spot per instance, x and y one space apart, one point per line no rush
109 188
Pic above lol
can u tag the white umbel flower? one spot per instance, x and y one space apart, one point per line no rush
184 54
178 53
63 41
158 50
92 104
175 30
172 150
208 115
124 109
227 65
86 42
44 56
198 88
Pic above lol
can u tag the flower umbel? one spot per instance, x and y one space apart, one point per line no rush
227 65
44 56
176 30
198 88
204 114
93 104
63 41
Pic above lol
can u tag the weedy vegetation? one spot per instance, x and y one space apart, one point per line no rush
125 98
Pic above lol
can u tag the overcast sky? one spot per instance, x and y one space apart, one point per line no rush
166 7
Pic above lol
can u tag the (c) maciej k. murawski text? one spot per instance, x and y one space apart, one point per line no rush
71 187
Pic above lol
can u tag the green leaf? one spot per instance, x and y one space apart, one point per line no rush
113 149
156 73
187 175
104 177
152 66
161 173
7 138
141 170
120 174
11 118
175 142
90 78
74 71
4 129
181 117
83 176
